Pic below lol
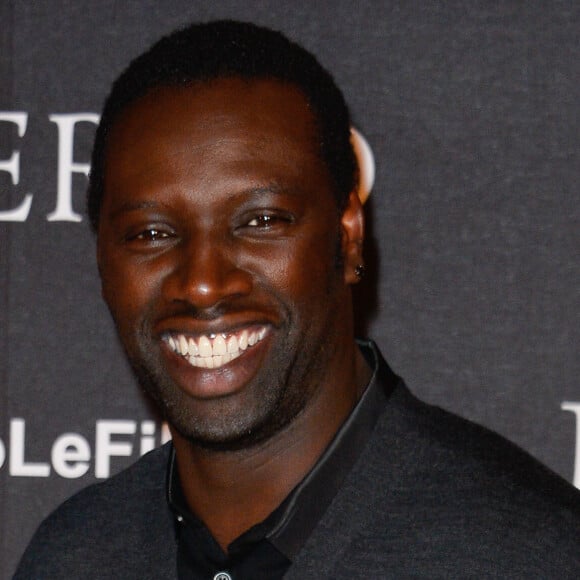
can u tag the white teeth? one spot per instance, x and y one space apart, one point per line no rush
214 351
232 344
212 362
219 345
204 346
183 345
193 350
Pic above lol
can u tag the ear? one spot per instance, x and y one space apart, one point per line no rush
352 228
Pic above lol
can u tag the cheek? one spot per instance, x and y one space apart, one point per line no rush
127 287
304 271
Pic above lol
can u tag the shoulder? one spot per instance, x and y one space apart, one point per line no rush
106 524
106 502
422 449
464 497
433 495
468 455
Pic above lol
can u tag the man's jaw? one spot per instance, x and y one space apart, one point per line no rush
213 351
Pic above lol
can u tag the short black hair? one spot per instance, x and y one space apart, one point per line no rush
207 51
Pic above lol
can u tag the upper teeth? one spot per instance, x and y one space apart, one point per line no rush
213 351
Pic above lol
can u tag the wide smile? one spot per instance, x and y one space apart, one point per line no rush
213 351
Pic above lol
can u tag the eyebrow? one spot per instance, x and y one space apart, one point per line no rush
129 206
273 188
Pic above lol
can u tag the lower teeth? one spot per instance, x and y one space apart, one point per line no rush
210 362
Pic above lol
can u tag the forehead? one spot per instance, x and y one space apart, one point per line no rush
258 127
261 108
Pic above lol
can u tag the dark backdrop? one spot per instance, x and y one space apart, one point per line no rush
471 109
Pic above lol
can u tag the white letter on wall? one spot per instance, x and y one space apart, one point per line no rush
105 448
71 455
18 466
66 165
12 166
575 408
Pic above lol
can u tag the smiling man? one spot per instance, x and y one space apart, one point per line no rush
229 235
226 265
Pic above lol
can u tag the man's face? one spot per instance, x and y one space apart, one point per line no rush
223 256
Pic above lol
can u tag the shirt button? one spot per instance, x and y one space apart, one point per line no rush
222 576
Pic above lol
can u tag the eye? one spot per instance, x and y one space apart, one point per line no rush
269 221
150 235
262 221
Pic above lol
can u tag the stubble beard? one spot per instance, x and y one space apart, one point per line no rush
277 394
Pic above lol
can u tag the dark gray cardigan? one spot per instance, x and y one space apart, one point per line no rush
431 496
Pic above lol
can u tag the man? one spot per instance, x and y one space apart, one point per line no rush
229 234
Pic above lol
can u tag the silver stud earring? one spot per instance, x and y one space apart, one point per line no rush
359 271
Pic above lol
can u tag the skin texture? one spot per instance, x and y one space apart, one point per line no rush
219 215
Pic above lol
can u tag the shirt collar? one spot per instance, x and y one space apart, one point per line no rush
289 526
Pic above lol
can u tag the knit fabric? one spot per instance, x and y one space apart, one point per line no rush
431 495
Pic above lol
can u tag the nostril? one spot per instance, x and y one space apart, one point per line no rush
206 278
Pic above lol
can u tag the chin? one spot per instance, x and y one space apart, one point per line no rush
229 423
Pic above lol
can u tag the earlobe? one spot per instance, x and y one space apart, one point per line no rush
352 225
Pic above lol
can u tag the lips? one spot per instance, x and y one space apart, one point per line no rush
213 351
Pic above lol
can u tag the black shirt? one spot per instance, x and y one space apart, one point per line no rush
266 551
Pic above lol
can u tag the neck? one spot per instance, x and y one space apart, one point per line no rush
230 491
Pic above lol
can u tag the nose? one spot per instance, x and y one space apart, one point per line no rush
206 273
